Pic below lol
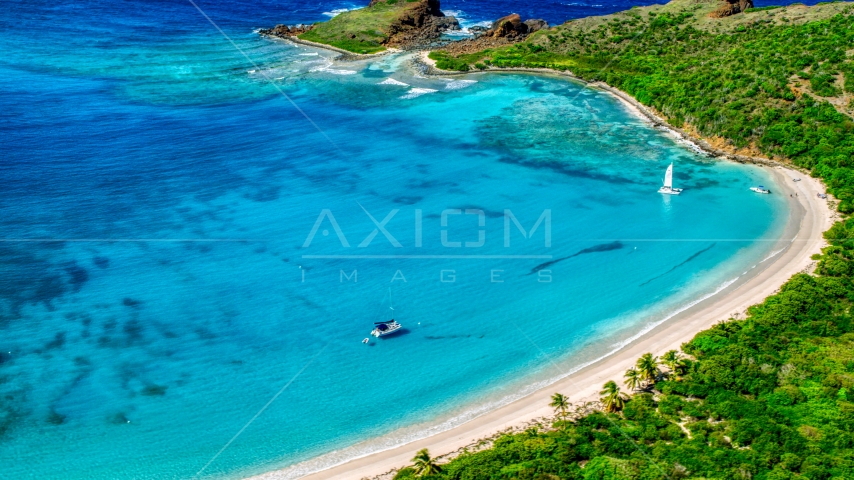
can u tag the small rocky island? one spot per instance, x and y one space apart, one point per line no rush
402 24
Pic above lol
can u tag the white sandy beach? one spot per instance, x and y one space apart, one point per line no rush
809 218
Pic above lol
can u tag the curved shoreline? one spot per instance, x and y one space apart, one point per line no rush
809 218
699 142
345 55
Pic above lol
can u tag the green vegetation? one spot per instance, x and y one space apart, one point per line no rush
768 84
613 400
760 9
361 31
634 380
449 62
424 464
560 403
769 397
358 31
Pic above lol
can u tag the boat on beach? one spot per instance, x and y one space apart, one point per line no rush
667 188
760 189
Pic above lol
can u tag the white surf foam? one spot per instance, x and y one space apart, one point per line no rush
772 255
391 81
459 84
465 24
339 11
417 92
465 31
327 68
335 71
312 54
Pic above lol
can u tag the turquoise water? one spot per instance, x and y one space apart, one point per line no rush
157 198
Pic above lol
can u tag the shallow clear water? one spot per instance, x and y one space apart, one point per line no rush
159 288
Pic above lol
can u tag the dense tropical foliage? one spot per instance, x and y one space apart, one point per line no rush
770 396
759 81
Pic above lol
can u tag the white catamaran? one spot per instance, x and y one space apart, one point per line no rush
668 183
386 328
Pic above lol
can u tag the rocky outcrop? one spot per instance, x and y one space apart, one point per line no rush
536 24
731 7
285 30
419 26
509 26
512 27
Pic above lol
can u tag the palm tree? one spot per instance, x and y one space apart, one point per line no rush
671 359
633 378
424 465
681 366
612 398
648 367
560 403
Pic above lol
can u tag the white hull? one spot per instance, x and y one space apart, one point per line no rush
670 191
392 328
760 190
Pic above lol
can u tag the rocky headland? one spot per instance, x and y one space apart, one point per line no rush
401 24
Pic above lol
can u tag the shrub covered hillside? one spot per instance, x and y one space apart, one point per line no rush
361 31
768 397
778 81
382 24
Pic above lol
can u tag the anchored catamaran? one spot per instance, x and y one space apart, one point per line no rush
386 328
668 183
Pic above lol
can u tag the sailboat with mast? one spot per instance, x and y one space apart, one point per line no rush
667 188
387 328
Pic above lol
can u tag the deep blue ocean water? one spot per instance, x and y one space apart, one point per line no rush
160 285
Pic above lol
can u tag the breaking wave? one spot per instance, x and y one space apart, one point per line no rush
391 81
417 92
